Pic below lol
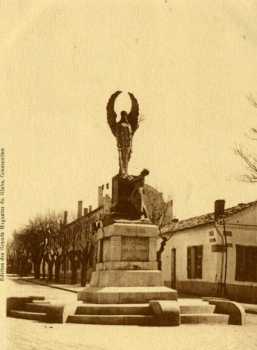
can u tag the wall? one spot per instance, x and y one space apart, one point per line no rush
180 241
244 232
243 226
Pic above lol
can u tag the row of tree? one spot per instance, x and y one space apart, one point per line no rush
43 247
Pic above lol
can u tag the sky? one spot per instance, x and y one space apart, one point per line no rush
190 64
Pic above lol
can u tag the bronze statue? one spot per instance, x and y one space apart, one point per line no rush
123 130
127 190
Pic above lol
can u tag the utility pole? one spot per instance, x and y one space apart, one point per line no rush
219 217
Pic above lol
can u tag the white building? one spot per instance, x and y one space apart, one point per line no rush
195 259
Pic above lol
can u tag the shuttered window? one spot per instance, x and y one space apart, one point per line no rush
194 262
246 263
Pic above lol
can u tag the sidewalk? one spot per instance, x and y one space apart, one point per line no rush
73 288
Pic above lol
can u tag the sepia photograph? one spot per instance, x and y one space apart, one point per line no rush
128 174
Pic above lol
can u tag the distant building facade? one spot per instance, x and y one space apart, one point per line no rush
209 257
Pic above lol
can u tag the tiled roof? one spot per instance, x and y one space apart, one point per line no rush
203 219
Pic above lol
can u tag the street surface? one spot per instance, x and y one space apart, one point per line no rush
31 335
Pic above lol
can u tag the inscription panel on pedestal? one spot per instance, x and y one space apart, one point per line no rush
134 248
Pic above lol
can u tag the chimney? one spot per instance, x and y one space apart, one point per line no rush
168 215
85 211
65 217
100 195
90 208
80 205
169 211
219 207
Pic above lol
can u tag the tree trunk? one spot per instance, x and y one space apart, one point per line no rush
73 273
159 253
44 268
64 267
36 270
57 269
29 266
37 262
50 270
22 266
84 264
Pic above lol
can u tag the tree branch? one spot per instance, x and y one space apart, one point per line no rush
251 165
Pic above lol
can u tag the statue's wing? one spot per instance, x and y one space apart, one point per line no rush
134 113
111 114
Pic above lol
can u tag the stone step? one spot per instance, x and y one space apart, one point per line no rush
113 309
28 315
35 307
37 298
197 309
40 302
139 320
204 318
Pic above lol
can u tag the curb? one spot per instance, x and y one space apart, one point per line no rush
248 308
48 285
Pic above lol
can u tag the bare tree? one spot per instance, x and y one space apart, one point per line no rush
52 243
73 251
155 204
84 257
38 241
160 213
18 254
249 159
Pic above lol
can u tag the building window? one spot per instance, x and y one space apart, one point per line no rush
194 261
246 263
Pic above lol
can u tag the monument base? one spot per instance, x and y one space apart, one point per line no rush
126 278
126 295
126 270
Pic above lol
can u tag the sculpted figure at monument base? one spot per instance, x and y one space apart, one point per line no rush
127 197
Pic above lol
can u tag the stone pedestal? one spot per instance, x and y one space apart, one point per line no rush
126 269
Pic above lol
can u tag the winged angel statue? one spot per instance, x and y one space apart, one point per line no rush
123 130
